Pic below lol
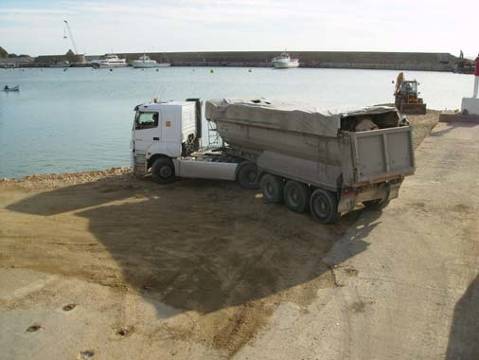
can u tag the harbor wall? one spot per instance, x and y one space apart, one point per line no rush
308 59
311 59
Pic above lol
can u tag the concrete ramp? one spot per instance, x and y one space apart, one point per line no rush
414 293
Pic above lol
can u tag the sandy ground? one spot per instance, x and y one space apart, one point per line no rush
102 265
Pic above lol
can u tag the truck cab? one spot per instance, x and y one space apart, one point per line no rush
163 130
166 139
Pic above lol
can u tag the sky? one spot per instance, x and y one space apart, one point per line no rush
102 26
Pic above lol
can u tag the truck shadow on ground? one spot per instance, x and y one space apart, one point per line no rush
201 245
451 126
464 335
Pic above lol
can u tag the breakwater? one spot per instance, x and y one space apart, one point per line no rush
308 59
312 59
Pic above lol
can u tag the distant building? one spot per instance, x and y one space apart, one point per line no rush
16 62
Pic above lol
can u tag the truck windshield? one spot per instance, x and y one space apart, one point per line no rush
146 120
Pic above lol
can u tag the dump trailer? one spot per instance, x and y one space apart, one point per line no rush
327 164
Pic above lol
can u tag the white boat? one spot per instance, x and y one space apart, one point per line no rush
284 61
110 61
145 62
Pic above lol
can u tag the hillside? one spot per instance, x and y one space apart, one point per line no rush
3 53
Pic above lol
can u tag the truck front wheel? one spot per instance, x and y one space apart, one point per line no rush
324 206
296 196
272 188
163 171
248 175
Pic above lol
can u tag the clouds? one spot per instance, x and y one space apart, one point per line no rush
167 25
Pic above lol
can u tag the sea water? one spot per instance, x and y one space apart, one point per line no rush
81 119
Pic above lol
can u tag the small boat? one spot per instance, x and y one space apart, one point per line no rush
145 62
11 89
110 61
284 61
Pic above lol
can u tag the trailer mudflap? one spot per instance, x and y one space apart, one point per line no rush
384 191
347 202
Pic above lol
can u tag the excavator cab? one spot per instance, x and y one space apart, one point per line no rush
409 88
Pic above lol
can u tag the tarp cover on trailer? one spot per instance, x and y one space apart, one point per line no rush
278 115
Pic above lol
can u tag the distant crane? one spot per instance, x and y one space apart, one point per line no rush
68 30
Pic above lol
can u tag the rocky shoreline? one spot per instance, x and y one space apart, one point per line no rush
53 180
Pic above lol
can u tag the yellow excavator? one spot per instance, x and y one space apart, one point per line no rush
406 96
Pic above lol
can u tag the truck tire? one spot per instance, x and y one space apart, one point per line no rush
324 206
247 175
272 188
296 196
163 171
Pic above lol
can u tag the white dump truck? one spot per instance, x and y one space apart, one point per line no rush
327 164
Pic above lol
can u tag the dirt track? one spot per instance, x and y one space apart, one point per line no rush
192 270
195 246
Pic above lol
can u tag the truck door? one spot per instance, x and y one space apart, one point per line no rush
146 130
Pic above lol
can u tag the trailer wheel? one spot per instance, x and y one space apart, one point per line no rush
163 171
248 175
272 188
296 196
324 206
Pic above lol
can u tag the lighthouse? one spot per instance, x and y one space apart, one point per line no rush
470 106
476 78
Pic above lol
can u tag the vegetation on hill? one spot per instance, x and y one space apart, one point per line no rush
3 53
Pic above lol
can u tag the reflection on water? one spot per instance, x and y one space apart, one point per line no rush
80 119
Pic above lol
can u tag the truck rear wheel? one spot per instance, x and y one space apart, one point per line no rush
324 206
296 196
248 175
272 188
163 171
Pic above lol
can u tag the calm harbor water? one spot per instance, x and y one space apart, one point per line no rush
80 119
